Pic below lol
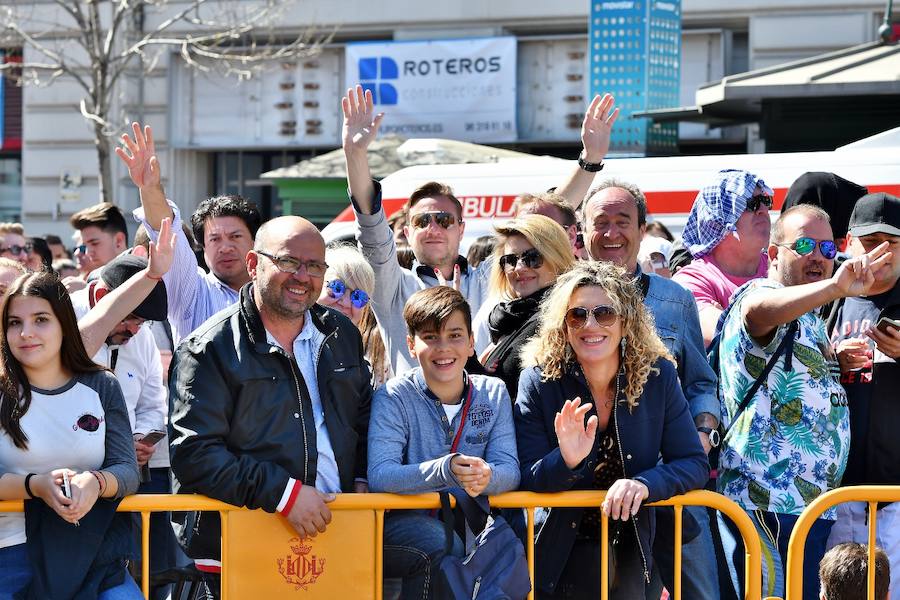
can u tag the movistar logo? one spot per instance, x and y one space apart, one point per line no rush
373 71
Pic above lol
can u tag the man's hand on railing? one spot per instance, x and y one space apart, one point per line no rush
624 498
310 513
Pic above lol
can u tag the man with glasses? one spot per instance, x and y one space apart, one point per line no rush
790 442
13 244
434 230
868 346
727 234
271 396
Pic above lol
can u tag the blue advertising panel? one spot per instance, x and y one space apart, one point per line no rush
635 50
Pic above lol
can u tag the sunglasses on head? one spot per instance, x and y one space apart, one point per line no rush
337 288
806 245
442 218
530 258
604 315
754 203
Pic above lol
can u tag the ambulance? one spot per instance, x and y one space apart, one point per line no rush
487 190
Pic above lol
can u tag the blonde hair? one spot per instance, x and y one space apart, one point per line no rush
15 228
347 263
550 348
545 235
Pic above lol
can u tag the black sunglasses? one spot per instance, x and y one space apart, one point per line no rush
17 249
754 203
442 218
530 258
806 245
577 317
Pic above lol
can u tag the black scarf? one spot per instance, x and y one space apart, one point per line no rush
507 317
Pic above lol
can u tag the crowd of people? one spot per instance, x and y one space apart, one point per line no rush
580 347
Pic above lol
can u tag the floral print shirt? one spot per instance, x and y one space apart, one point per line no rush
791 443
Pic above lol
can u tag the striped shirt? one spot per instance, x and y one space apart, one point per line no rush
194 295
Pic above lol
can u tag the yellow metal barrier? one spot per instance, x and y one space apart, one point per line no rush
871 494
265 527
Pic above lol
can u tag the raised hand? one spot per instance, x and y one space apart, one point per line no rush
162 253
856 275
597 127
360 120
139 155
576 440
457 278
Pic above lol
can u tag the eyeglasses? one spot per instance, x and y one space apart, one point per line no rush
289 264
134 321
530 258
604 315
337 289
754 203
17 249
442 218
806 245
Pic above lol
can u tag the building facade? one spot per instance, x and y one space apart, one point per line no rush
217 135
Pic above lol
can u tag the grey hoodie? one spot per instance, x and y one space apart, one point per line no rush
410 437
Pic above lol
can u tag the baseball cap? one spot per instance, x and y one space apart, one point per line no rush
875 213
155 306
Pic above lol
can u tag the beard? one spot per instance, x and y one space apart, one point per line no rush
273 298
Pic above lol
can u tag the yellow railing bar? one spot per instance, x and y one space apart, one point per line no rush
871 494
146 503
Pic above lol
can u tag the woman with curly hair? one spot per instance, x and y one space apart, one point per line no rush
599 402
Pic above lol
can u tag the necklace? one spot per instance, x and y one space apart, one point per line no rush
615 398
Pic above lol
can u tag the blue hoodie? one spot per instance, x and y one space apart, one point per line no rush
410 437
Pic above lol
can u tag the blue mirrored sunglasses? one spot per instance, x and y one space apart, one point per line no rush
358 298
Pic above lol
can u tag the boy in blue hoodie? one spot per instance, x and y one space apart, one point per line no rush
433 428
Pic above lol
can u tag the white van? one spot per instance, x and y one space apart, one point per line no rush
488 190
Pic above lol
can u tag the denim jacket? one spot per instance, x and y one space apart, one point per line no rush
677 321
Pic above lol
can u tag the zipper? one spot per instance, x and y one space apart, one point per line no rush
477 586
302 421
625 474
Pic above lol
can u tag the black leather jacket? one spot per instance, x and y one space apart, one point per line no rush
238 432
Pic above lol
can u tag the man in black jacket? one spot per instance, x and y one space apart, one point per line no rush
868 350
271 396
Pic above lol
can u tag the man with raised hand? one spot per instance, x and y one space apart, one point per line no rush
788 442
224 227
615 219
434 229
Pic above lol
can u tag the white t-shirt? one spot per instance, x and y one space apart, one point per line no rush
451 410
66 427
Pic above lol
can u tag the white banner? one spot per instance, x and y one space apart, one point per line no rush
463 89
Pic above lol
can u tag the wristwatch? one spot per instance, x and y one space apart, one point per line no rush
589 167
714 438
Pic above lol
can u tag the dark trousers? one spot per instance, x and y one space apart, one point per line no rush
580 579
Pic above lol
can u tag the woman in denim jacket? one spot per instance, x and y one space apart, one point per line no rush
599 405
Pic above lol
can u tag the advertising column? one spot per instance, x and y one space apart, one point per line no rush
459 89
635 49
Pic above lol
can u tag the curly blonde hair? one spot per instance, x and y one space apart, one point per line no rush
550 348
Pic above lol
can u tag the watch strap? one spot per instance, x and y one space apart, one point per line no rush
589 167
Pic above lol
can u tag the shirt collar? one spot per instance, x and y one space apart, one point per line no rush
305 334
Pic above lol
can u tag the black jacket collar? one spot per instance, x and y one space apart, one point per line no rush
324 320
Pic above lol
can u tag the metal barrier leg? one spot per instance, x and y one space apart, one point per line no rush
677 573
873 529
379 554
604 556
530 551
223 585
145 554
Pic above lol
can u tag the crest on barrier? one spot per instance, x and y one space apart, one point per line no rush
301 568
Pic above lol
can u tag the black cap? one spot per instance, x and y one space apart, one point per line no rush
155 306
876 213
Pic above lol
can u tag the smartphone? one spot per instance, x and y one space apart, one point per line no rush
66 488
884 323
152 437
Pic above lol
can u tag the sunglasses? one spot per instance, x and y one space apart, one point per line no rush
754 203
337 289
604 315
17 249
806 245
530 258
442 218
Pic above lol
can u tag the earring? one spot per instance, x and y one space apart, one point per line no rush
622 347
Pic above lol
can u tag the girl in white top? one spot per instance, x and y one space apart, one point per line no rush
61 415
